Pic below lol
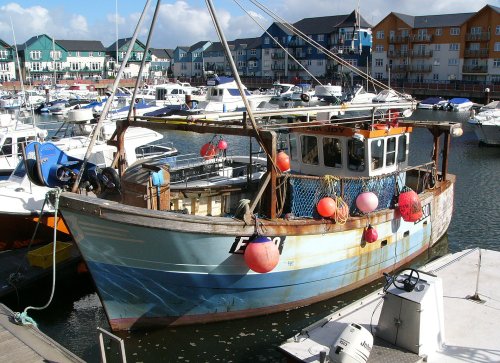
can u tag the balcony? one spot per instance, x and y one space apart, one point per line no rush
8 58
278 67
397 54
278 56
421 38
401 68
481 37
475 69
421 68
476 53
421 53
399 39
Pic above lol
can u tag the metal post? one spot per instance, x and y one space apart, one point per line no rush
113 337
476 293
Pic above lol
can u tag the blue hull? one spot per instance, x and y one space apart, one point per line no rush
148 276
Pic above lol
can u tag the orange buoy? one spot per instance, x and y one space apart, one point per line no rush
367 202
409 204
261 254
370 234
208 151
283 161
326 207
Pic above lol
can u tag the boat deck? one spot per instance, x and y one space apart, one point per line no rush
20 343
470 326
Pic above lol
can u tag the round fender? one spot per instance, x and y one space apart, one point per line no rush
304 97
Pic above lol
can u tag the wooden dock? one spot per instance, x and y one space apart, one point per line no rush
25 343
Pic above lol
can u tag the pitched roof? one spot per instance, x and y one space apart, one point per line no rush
327 24
161 53
215 47
435 21
121 43
198 45
81 45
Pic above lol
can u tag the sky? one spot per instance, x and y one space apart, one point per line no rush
183 23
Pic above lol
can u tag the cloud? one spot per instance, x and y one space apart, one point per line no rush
184 23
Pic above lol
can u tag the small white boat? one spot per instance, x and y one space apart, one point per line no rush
486 125
223 95
390 95
13 134
458 104
444 312
432 103
21 201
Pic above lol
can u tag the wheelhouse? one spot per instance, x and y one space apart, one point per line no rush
346 152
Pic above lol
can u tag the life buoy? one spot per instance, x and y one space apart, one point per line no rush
304 97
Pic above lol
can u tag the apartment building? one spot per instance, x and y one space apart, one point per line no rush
433 48
161 62
116 54
7 62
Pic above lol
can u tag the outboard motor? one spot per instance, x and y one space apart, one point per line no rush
47 165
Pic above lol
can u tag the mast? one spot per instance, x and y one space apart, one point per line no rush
109 101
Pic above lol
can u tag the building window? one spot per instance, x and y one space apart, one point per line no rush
253 51
35 54
55 55
321 37
36 66
454 31
380 34
496 63
74 66
309 50
438 32
379 75
266 40
453 62
437 47
379 62
91 54
454 46
497 30
497 47
77 54
477 30
435 77
3 54
437 62
495 78
379 48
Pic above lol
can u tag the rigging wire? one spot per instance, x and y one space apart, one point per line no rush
313 43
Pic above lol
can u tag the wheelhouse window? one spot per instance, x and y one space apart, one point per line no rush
7 147
356 155
332 152
310 153
390 156
402 142
377 148
293 146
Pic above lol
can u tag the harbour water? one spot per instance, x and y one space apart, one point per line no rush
75 313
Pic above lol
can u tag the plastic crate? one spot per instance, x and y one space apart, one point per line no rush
42 257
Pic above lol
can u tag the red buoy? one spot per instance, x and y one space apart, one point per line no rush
208 151
370 234
367 202
326 207
283 161
222 145
410 206
261 254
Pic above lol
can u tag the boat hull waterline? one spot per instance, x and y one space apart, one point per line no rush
154 268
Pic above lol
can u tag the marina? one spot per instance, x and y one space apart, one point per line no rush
263 221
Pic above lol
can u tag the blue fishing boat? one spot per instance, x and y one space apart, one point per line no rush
326 206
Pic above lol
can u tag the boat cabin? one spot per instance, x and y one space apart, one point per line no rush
349 152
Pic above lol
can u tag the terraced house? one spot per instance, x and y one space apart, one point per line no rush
432 48
116 54
42 58
7 62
